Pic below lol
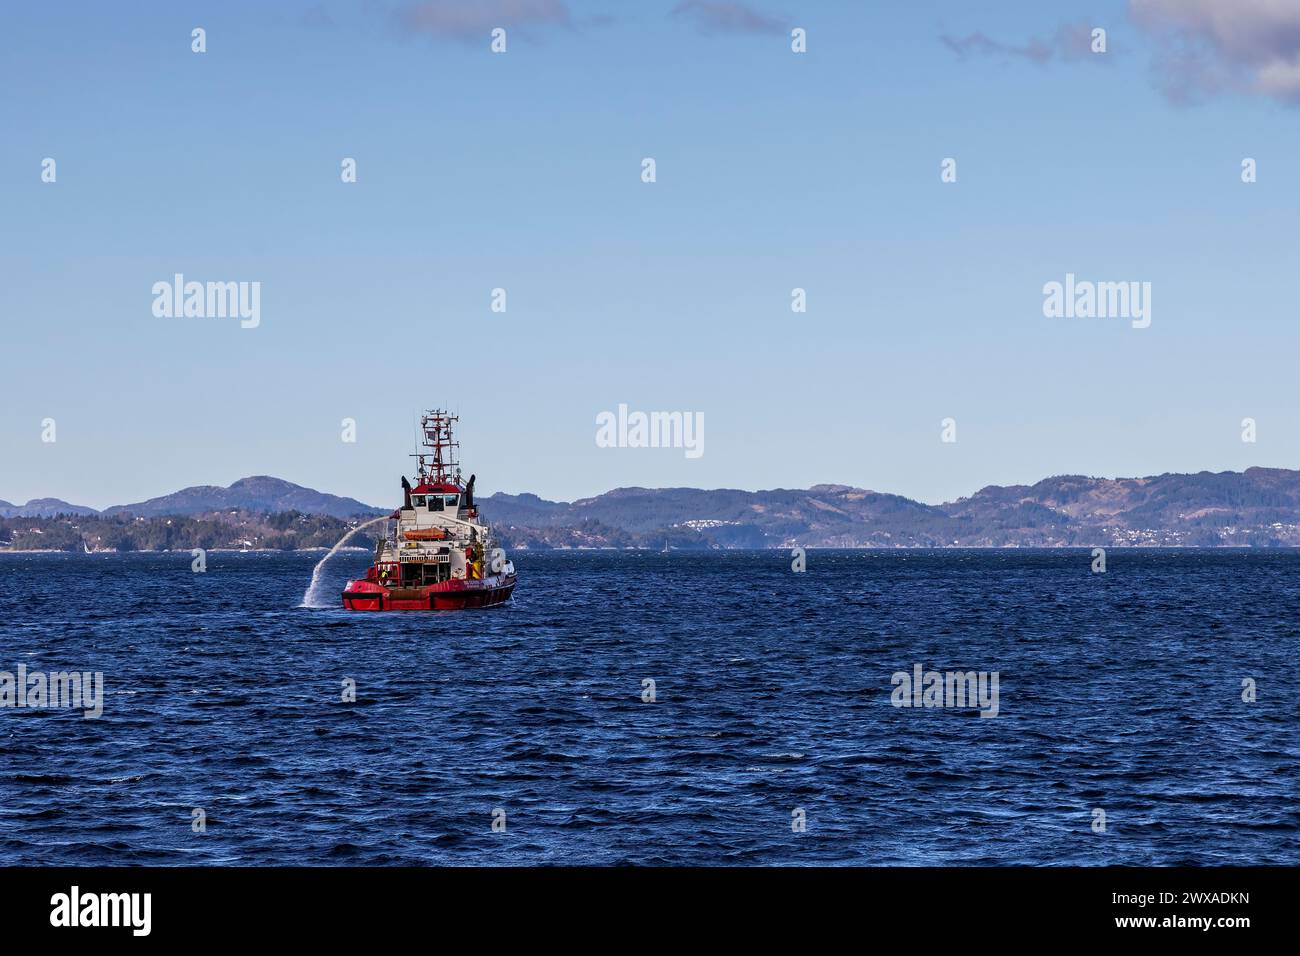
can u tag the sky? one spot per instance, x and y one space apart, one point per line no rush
523 171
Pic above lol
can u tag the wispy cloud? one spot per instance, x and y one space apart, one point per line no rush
472 20
1071 41
726 16
1207 47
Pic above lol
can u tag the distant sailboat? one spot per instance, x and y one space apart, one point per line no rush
666 548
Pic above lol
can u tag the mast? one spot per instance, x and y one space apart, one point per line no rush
437 464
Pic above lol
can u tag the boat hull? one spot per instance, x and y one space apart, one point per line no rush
452 595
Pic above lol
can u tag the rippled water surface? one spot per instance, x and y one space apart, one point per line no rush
1120 691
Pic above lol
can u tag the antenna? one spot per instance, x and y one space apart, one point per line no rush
437 463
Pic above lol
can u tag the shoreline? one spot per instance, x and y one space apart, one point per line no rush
781 548
181 551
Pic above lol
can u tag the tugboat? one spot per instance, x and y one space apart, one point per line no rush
434 553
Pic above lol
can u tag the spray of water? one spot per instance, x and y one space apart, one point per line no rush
311 597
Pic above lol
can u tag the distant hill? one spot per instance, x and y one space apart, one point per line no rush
43 508
259 493
1259 507
833 515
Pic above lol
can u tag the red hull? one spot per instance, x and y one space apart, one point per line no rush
447 596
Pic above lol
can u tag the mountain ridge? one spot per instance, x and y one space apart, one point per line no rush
257 493
1258 506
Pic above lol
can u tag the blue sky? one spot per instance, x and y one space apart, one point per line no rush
775 170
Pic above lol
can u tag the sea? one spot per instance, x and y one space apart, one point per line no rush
647 708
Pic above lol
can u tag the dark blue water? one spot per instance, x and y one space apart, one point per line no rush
1120 691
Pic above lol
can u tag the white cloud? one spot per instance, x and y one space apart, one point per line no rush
1207 47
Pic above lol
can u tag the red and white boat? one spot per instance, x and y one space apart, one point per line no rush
434 553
